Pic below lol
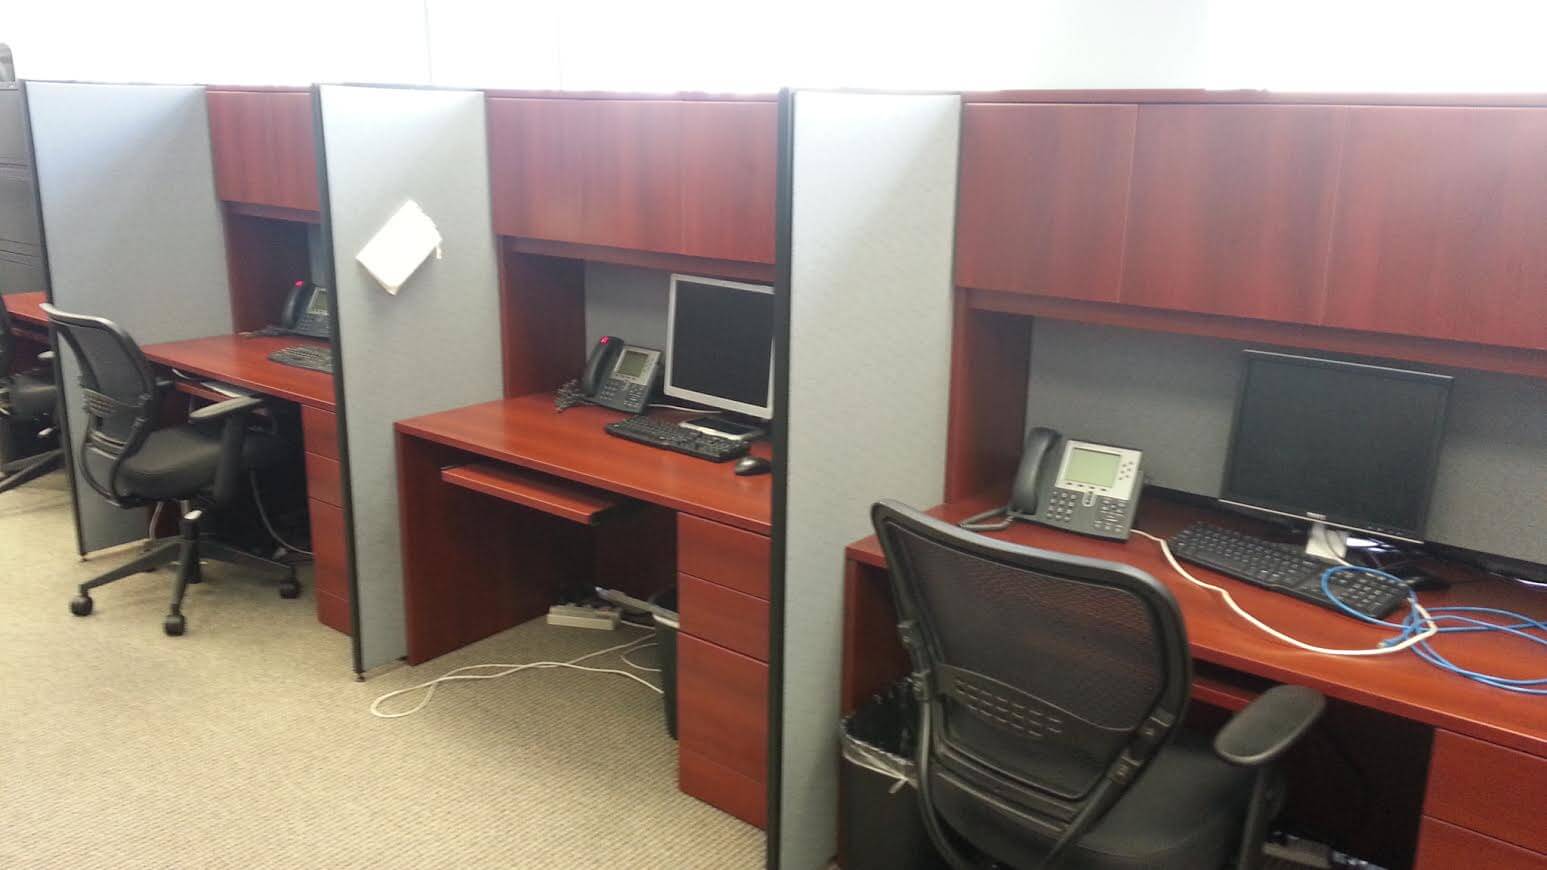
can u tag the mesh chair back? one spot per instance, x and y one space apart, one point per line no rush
7 340
1047 675
119 394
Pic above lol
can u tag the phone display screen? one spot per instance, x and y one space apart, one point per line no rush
632 364
1094 467
319 303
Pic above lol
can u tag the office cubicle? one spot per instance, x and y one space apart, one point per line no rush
128 206
433 345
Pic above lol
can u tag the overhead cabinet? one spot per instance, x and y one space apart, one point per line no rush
264 148
689 177
1410 220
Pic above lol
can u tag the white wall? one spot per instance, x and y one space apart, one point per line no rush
1413 45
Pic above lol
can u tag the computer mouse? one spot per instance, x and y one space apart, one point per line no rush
753 465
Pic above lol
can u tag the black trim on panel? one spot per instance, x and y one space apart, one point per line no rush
65 441
325 208
783 228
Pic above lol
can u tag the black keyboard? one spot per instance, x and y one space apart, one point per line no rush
305 356
1285 568
670 436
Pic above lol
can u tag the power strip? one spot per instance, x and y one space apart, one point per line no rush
599 616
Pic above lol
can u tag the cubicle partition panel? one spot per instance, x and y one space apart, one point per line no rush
128 200
872 207
436 343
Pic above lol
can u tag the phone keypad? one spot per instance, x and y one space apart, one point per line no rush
1106 516
622 395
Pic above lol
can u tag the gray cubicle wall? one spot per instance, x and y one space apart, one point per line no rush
1173 396
873 203
127 188
433 346
21 229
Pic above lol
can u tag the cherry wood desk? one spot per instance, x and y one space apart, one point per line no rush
1487 767
243 362
25 308
497 502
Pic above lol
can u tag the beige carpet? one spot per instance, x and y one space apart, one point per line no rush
247 743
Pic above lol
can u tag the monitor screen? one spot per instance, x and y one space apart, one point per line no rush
719 345
1354 445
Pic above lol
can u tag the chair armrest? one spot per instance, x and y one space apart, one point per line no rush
46 356
1269 725
241 404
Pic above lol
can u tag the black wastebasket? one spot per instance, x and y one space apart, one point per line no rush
666 654
882 828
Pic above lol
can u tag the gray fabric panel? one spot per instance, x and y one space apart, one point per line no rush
1173 396
434 346
627 302
870 331
128 193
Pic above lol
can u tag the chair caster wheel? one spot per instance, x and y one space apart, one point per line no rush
290 589
174 624
80 605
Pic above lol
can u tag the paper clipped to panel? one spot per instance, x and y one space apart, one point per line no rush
407 239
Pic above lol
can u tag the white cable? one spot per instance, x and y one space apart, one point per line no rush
458 674
264 515
638 667
1430 631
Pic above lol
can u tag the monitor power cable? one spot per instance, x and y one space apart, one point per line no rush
506 669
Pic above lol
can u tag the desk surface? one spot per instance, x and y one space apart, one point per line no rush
1401 684
25 308
244 362
526 431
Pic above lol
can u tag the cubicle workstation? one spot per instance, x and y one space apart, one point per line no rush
1115 254
511 505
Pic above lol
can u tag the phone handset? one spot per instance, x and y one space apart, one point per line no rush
1077 486
601 361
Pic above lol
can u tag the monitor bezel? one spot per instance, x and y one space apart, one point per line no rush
1307 514
762 412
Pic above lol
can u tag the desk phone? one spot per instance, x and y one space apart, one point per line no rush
1077 486
620 376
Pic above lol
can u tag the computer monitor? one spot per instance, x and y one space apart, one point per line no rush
719 344
1340 444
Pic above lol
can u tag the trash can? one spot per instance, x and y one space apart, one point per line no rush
882 828
666 653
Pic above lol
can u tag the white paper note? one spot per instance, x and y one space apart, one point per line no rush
407 239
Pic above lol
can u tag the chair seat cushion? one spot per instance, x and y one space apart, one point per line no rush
180 461
32 397
1185 811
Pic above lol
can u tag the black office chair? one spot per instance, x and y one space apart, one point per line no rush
27 401
132 463
1051 688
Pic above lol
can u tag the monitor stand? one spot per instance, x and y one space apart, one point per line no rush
1325 542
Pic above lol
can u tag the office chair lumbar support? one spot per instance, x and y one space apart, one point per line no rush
132 463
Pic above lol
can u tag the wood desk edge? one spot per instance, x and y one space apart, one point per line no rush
867 551
23 307
167 353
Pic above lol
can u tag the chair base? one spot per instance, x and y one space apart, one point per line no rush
26 470
186 551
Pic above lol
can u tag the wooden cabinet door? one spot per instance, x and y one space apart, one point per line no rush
264 148
239 133
729 171
1442 225
632 175
535 167
1232 209
1043 198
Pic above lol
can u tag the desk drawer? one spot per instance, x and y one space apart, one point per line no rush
1442 846
722 788
732 619
319 429
324 481
330 564
723 554
722 706
1496 791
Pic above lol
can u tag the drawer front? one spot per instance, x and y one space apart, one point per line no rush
333 611
329 560
320 431
732 619
723 554
1442 846
323 480
722 706
1496 791
722 788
